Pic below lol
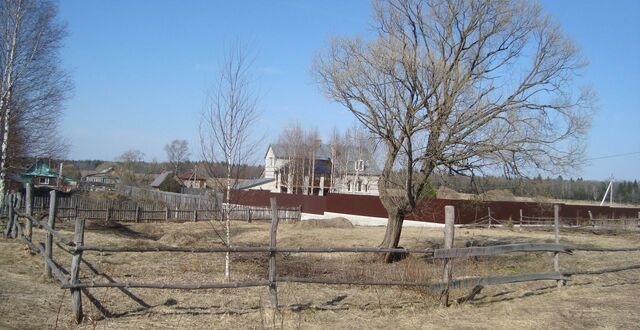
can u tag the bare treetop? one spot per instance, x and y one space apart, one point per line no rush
177 153
460 86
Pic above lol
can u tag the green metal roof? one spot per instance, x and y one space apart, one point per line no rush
40 169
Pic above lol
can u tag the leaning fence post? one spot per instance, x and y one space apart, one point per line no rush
137 219
9 205
76 293
48 247
273 284
449 220
166 214
489 212
556 257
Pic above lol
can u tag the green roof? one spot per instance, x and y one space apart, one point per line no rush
40 169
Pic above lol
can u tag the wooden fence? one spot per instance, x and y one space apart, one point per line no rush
211 200
627 224
77 247
150 211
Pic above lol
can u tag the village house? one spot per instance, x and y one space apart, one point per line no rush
192 180
41 176
339 169
109 176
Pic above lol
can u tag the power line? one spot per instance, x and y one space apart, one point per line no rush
616 155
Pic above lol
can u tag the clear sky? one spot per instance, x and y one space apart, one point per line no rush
142 70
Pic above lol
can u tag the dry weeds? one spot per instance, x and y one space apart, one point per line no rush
604 301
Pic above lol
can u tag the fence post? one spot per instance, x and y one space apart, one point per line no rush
48 247
76 294
489 211
556 256
7 230
166 214
449 220
137 219
108 211
520 219
591 218
28 209
273 284
18 201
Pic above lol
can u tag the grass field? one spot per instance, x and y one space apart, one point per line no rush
607 301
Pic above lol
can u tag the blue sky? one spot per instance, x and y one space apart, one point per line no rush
142 70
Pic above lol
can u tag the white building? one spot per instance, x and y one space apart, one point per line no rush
347 170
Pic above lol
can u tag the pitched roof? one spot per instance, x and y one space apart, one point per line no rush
40 169
323 151
254 182
160 178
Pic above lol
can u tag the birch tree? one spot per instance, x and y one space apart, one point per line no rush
459 86
227 128
177 153
32 83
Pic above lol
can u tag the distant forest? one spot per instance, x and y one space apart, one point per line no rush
559 187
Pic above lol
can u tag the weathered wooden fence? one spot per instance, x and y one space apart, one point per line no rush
174 200
151 211
77 247
627 224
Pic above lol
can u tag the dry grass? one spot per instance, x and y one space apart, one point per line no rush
605 301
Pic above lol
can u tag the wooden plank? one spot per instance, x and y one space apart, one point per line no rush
496 280
595 249
183 286
46 227
49 239
602 271
500 249
287 279
56 270
76 294
273 285
251 249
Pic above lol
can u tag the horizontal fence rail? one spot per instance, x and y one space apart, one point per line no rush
76 247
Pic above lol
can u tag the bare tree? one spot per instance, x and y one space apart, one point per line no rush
227 128
459 86
131 161
32 83
177 153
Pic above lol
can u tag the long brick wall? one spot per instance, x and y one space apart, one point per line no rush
431 210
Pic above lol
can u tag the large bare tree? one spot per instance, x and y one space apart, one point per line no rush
32 83
227 128
460 86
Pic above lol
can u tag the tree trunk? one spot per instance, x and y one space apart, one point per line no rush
392 234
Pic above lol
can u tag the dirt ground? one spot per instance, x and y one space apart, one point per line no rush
28 301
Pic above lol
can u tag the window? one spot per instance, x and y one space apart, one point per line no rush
44 180
360 165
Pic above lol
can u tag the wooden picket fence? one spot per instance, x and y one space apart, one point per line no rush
152 211
15 228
